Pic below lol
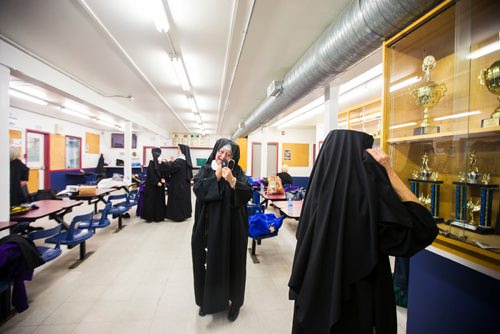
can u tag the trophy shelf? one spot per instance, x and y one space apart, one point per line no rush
463 134
469 250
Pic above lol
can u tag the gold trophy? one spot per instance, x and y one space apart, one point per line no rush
473 175
490 77
425 173
427 95
473 208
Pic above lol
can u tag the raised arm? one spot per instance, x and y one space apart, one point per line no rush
403 192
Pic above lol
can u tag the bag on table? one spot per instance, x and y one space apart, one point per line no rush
275 186
261 224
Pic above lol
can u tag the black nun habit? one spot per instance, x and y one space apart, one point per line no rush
351 220
179 187
220 236
154 191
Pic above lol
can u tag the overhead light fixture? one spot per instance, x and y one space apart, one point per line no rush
405 83
105 122
487 49
75 113
360 79
464 114
362 90
301 117
305 109
403 125
29 89
192 104
159 15
27 97
180 71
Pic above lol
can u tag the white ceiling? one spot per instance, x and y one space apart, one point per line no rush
231 50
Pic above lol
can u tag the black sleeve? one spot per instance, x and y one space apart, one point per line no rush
242 190
25 173
206 186
170 167
407 239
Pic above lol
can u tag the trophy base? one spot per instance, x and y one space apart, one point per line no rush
425 130
439 220
474 228
489 122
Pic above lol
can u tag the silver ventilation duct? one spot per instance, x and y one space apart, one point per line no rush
359 31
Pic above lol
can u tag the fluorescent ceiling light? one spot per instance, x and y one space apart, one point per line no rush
305 109
104 122
192 104
74 113
27 97
301 117
464 114
180 71
405 83
159 15
495 46
404 125
362 90
360 79
28 89
77 107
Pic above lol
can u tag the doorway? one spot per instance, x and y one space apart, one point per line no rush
272 158
37 153
256 158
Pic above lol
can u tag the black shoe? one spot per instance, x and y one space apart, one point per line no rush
233 313
201 313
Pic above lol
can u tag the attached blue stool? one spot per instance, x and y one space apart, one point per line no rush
101 222
48 253
118 209
75 236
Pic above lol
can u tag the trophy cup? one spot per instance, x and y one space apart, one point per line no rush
490 77
427 95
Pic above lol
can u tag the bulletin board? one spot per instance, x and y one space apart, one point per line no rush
92 143
15 139
243 142
57 152
295 155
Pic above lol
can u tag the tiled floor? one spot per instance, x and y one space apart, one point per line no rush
140 281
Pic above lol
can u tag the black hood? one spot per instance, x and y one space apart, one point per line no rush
220 143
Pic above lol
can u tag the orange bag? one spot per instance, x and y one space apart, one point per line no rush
274 185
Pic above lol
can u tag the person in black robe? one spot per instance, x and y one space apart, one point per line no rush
220 231
286 179
356 212
19 176
180 172
154 192
100 171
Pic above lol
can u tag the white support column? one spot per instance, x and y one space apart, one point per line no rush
127 169
331 108
4 145
263 153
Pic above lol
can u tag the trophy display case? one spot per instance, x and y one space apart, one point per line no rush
365 118
441 121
